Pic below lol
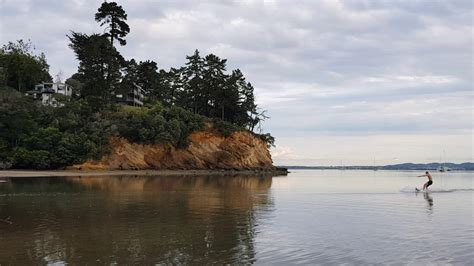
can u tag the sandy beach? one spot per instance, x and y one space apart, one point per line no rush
59 173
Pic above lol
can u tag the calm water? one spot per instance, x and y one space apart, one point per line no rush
310 217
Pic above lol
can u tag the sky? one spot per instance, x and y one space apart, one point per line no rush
344 82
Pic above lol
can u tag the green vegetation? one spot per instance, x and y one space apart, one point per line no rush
20 68
177 102
42 137
156 124
99 68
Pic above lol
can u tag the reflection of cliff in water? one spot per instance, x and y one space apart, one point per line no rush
132 219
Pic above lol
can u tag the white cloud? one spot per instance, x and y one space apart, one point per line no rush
282 153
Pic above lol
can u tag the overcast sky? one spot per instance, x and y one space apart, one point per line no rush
344 82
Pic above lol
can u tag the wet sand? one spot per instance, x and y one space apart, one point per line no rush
36 173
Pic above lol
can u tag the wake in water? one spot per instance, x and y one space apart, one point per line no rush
433 190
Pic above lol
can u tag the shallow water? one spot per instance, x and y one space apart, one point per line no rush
308 217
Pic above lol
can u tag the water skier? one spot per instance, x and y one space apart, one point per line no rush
430 180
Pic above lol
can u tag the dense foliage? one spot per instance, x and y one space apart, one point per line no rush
20 68
156 124
177 102
203 87
43 137
99 67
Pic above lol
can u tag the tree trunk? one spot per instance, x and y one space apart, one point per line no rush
112 31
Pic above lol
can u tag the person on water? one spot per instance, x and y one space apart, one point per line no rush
430 180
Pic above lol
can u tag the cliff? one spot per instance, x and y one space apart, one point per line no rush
207 150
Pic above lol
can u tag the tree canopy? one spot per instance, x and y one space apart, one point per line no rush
99 66
204 87
20 68
114 17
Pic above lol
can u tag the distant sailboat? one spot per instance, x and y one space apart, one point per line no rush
443 167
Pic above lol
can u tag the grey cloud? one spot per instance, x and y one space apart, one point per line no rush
303 57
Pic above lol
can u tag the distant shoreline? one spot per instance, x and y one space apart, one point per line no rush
372 169
62 173
466 166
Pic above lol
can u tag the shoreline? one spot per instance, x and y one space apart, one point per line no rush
69 173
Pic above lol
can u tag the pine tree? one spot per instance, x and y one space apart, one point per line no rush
193 95
113 15
99 67
130 78
148 77
214 79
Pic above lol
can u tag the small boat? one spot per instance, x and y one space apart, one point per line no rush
444 169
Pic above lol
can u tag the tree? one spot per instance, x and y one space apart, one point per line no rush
148 76
130 78
232 99
21 68
214 79
156 84
203 86
99 67
248 106
17 117
192 95
176 82
75 82
114 16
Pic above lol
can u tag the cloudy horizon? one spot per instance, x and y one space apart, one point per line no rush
344 82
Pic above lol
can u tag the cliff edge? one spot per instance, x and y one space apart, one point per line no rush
207 150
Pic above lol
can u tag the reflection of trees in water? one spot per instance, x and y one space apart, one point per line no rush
131 219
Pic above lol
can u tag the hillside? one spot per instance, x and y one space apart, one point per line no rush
206 150
122 137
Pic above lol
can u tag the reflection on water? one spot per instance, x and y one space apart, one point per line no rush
131 219
308 217
429 200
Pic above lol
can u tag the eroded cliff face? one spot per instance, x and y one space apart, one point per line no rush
207 150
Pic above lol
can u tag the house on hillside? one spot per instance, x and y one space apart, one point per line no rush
46 92
133 98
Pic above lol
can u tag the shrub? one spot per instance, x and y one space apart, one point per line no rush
225 128
50 148
269 139
36 159
153 125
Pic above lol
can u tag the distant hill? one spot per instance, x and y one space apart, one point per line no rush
429 166
403 166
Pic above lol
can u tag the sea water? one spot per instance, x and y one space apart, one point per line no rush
307 217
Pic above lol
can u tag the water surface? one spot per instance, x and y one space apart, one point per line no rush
310 216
